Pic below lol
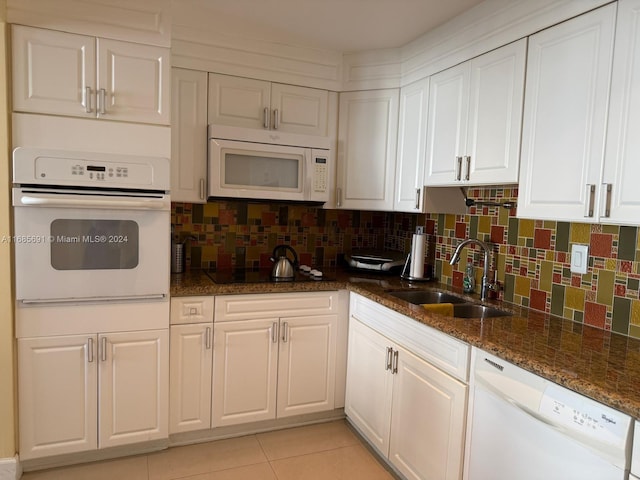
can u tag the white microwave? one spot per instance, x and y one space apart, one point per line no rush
268 165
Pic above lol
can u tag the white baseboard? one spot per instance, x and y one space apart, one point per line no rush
10 468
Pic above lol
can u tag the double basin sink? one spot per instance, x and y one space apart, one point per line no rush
461 306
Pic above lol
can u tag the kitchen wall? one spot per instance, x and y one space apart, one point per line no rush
7 337
531 256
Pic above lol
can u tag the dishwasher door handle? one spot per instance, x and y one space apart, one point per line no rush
480 382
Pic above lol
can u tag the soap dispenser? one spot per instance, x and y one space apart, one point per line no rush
469 281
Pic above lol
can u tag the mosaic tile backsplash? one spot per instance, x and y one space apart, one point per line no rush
531 257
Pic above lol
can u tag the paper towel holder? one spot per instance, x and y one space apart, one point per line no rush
405 272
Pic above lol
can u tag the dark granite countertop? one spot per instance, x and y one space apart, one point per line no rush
600 364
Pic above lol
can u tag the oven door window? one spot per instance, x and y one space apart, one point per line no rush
85 244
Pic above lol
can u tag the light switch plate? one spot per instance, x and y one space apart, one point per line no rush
579 258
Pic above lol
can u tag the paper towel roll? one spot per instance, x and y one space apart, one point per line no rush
418 246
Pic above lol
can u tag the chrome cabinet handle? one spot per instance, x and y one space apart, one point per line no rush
458 173
285 332
338 197
418 198
103 349
607 209
274 332
265 122
202 189
468 160
389 358
87 100
90 357
394 370
591 194
276 119
102 98
207 338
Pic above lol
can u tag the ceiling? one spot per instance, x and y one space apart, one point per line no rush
336 25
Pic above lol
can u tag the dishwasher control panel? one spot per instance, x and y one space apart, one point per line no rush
581 414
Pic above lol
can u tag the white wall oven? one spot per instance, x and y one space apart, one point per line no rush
90 227
263 165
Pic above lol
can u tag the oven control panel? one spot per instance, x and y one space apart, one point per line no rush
70 168
90 172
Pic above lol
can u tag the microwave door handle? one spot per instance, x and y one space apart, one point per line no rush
28 200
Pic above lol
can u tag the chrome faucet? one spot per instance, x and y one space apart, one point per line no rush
455 258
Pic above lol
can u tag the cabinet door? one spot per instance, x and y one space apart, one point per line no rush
368 128
57 389
447 124
134 80
188 136
239 102
495 115
190 377
134 390
427 428
53 72
369 384
306 365
412 139
299 109
245 368
568 71
622 168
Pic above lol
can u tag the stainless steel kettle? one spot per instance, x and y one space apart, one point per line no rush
283 268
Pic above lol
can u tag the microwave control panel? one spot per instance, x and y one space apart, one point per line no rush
320 174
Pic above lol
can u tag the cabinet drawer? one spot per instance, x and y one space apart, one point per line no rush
191 310
441 350
276 305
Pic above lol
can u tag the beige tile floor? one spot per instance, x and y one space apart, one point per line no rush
327 451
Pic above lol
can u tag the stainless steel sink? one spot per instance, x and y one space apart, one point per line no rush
470 310
419 297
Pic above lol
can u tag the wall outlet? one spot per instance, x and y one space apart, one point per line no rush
579 258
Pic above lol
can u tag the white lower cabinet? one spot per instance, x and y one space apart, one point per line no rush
273 368
133 391
245 372
191 363
274 356
412 412
82 392
190 377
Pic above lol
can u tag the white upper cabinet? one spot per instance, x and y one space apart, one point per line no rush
475 110
299 109
620 195
412 139
133 82
565 117
52 71
66 74
367 133
257 104
188 136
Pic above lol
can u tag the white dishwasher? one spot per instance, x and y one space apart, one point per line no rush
524 427
635 458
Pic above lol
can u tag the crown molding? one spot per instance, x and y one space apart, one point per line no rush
142 21
242 56
487 26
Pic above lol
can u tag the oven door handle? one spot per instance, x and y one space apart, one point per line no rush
150 204
75 300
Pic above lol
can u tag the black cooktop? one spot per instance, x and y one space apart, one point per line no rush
261 275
